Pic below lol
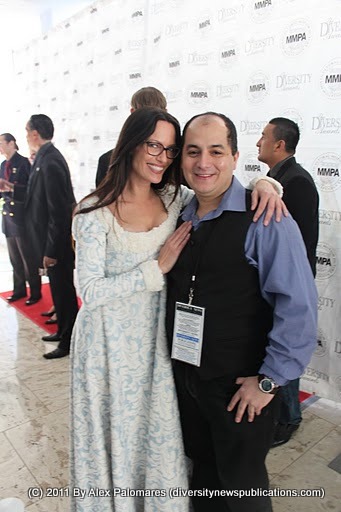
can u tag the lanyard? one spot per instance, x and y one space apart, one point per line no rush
196 264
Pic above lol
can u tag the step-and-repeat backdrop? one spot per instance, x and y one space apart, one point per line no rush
252 60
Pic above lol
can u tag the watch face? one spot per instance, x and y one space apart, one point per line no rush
266 385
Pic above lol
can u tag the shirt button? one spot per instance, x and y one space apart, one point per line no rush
12 203
11 214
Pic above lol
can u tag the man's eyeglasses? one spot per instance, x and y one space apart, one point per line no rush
156 148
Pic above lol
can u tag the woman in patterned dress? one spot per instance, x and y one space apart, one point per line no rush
126 443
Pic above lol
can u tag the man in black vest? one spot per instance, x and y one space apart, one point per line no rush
242 321
277 147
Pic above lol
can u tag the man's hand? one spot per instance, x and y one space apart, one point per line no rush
173 246
49 262
266 197
250 397
6 186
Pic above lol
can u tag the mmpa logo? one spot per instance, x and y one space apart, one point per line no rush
229 53
257 87
251 168
199 94
325 261
173 64
330 79
261 10
296 37
326 170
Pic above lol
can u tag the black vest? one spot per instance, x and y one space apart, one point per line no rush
237 318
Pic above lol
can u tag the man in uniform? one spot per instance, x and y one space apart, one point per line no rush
15 169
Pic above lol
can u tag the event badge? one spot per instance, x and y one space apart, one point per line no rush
188 333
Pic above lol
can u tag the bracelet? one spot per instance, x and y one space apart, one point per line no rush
274 183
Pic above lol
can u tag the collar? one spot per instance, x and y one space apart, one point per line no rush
232 200
277 167
41 151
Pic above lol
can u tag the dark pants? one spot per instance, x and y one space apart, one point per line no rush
24 267
226 455
64 300
290 408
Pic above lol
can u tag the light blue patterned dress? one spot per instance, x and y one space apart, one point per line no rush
125 427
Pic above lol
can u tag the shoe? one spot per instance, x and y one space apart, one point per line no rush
52 337
56 354
13 298
32 301
50 321
47 313
283 433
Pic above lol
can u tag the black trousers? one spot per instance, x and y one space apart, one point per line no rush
24 267
226 455
64 299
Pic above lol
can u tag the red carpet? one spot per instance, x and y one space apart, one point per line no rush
304 396
34 312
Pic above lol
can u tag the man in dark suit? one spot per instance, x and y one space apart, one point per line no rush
16 170
277 147
49 203
145 97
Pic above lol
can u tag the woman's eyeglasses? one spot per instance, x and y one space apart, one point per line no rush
156 148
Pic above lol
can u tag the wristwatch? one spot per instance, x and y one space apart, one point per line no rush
267 385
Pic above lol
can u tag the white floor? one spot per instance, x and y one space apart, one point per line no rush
34 428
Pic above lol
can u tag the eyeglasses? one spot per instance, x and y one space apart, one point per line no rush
156 148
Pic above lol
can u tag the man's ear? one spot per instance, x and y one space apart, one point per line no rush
132 109
235 158
280 144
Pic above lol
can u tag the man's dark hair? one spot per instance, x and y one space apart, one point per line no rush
231 129
287 130
148 97
43 125
136 130
9 138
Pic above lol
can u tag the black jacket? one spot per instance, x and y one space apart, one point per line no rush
302 200
49 204
13 211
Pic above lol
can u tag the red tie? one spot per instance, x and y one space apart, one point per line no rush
7 170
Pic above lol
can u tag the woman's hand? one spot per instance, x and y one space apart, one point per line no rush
264 196
173 246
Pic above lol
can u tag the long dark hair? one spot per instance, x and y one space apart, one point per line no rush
136 130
